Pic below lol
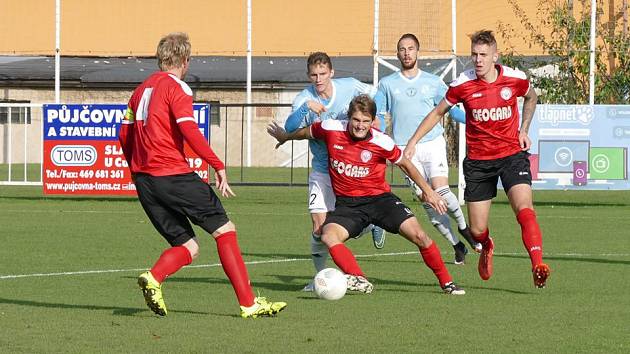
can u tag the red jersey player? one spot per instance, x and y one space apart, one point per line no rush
496 148
159 118
357 157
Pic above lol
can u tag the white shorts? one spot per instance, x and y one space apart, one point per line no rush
321 198
430 160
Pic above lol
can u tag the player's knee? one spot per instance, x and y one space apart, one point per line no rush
330 239
227 227
193 249
421 239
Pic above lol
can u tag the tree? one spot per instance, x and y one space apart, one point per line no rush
563 76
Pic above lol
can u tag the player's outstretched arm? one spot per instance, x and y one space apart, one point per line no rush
427 124
282 136
529 106
428 194
300 112
457 115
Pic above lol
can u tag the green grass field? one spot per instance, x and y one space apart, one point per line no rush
68 269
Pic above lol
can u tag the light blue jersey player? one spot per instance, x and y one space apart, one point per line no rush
408 96
326 98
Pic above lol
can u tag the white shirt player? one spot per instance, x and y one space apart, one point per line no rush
344 90
409 100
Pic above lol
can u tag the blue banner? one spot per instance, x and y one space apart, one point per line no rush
98 121
580 147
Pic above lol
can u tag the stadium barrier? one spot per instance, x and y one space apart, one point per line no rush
237 133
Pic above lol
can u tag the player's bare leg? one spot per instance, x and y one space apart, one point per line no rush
440 185
170 261
412 231
334 236
521 200
236 271
478 214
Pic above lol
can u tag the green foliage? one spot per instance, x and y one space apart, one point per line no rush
564 36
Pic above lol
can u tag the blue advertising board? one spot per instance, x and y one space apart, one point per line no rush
580 147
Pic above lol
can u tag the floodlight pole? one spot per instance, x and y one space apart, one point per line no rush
591 73
461 151
249 83
375 45
57 50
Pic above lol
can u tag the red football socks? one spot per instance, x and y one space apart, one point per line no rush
171 260
531 234
433 259
234 267
344 259
482 238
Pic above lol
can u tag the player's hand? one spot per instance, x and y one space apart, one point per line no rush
316 107
435 201
524 140
220 180
277 132
409 151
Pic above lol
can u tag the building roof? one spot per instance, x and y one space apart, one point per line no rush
205 72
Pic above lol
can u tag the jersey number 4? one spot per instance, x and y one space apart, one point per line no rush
143 107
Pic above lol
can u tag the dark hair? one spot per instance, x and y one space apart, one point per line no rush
483 37
409 36
318 58
364 104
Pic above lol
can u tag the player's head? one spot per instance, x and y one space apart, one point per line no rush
173 52
361 115
320 71
483 50
407 51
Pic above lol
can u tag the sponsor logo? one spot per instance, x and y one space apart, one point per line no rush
506 93
565 115
493 114
523 173
411 91
348 169
366 156
73 155
338 147
477 95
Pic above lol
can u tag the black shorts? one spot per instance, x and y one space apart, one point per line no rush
356 213
482 175
170 201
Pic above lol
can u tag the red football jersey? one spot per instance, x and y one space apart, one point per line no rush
356 168
156 108
492 116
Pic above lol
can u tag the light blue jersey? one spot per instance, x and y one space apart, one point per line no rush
344 90
409 101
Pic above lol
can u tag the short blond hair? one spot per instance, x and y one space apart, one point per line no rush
173 50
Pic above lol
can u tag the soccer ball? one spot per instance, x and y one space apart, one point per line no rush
330 284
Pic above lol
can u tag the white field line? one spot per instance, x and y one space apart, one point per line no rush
287 260
139 212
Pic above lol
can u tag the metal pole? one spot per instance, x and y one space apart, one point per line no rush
57 50
461 151
10 150
26 111
249 82
375 45
591 73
